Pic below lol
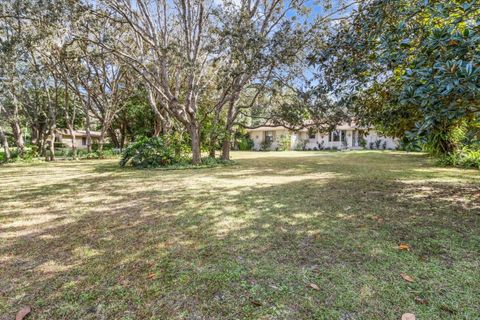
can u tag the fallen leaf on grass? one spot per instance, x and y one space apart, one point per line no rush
419 300
408 316
377 218
151 276
447 309
23 313
403 246
256 303
406 277
313 286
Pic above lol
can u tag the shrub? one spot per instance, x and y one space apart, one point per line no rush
29 153
154 152
465 158
245 143
410 144
362 142
285 141
93 155
301 145
266 145
59 145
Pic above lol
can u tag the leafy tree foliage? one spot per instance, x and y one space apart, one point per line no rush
409 67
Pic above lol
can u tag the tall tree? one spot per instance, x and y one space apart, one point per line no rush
171 48
421 58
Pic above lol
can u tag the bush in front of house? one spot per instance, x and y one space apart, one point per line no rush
285 142
466 158
266 145
245 143
30 153
155 152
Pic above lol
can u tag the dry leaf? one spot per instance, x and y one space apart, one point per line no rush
151 276
256 303
408 316
23 313
403 246
419 300
446 308
313 286
406 277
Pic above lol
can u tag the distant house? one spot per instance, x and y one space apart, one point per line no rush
63 136
345 136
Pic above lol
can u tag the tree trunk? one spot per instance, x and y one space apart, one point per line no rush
101 141
35 134
51 147
87 130
114 138
74 146
214 134
195 137
17 134
40 139
4 140
226 147
158 125
42 145
123 130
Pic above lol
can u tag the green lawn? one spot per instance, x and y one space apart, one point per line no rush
87 240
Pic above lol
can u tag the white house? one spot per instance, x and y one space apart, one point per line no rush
63 136
345 136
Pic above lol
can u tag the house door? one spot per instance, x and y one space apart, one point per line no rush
355 138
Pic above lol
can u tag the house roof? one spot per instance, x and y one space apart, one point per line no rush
80 133
343 126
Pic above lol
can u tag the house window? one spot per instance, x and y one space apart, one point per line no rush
84 141
337 135
58 139
311 133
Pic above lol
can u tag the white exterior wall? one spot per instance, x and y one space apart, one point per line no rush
321 140
78 142
258 136
67 141
373 136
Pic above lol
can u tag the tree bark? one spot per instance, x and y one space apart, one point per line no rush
195 137
4 140
158 126
101 140
51 146
113 136
87 130
70 120
17 134
226 145
74 146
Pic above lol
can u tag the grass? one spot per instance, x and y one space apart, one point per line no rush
88 240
